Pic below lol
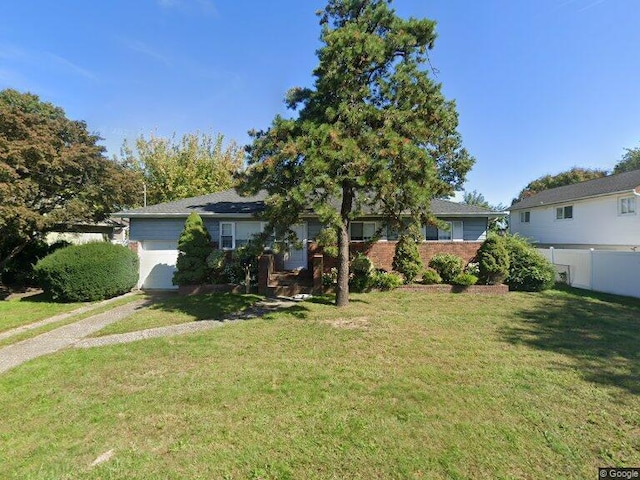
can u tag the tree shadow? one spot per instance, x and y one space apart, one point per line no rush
212 306
600 332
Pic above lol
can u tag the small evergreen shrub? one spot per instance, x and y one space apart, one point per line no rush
195 246
447 265
407 259
528 270
493 260
386 280
464 279
361 273
215 264
84 273
431 277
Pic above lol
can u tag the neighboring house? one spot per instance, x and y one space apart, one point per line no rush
231 221
110 230
600 214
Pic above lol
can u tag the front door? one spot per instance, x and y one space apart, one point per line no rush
296 259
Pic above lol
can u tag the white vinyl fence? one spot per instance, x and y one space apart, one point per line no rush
600 270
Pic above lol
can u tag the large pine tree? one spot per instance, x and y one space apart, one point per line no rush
374 130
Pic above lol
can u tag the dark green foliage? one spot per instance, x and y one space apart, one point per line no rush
328 240
386 280
574 175
215 264
19 271
90 272
195 246
630 161
431 277
464 279
242 267
374 129
493 260
528 270
447 265
406 259
362 271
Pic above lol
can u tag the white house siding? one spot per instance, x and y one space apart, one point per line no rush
595 222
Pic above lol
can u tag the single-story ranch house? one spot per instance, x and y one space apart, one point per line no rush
231 221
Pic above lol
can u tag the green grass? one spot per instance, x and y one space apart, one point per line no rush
66 321
17 312
397 385
173 309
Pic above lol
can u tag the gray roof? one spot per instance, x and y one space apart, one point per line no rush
622 182
230 203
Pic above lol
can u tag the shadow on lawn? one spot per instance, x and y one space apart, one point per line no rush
214 306
601 333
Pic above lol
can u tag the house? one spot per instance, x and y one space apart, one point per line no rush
600 214
231 221
112 230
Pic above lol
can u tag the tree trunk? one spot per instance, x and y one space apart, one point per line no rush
342 289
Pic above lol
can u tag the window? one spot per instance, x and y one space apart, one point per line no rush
227 230
392 234
244 232
454 231
562 213
362 231
445 234
525 217
627 206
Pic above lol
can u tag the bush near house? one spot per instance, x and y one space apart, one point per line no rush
528 270
19 271
493 260
431 277
195 246
407 259
94 271
361 273
447 265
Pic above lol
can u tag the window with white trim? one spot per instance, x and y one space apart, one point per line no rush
525 217
564 213
245 231
627 206
362 231
444 235
227 235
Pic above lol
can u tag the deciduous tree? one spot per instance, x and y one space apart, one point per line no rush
574 175
630 161
375 129
196 164
52 171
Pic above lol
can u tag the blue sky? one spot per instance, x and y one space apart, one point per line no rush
540 85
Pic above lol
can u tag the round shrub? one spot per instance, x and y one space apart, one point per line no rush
83 273
407 259
362 271
447 265
493 260
431 277
528 270
386 280
464 279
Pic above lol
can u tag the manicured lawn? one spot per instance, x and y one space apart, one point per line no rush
17 312
173 309
397 385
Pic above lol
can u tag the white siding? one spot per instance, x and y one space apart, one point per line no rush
595 222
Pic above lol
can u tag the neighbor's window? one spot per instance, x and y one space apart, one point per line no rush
627 205
362 231
226 235
563 213
525 217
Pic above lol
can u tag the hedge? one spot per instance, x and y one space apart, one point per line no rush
94 271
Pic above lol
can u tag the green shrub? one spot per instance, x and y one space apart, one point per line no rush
90 272
195 246
215 264
431 277
447 265
464 279
386 280
528 270
362 270
493 260
407 259
330 278
18 272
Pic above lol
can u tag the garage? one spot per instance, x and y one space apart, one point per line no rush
157 264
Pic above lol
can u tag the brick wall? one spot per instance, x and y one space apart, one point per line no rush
381 253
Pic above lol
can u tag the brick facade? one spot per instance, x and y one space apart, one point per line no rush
381 253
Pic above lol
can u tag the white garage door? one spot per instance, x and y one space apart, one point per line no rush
157 264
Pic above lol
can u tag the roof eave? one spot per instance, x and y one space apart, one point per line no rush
633 191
